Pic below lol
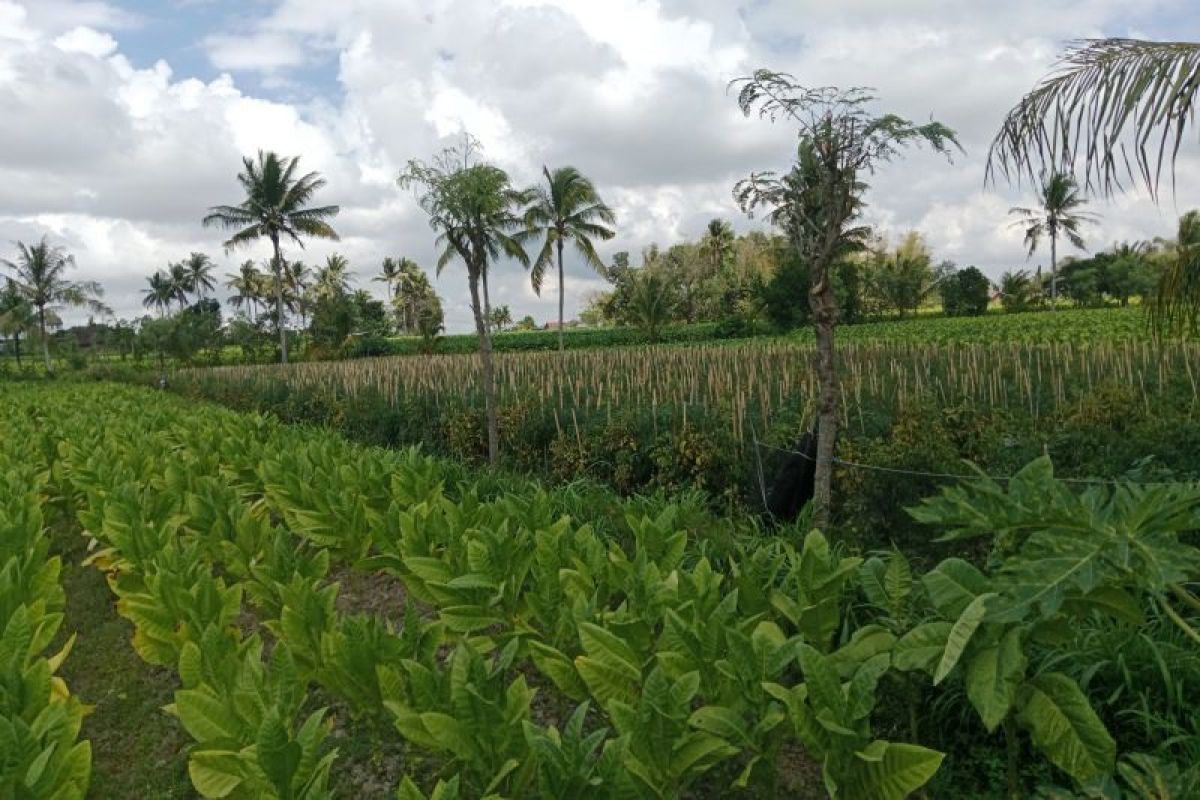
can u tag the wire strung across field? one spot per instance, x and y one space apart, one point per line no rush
941 475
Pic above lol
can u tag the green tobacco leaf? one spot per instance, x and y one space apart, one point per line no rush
897 580
960 636
721 721
920 648
558 668
278 756
889 771
205 717
1064 727
824 688
867 642
952 585
994 675
215 773
609 669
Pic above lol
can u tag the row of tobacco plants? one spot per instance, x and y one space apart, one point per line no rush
559 643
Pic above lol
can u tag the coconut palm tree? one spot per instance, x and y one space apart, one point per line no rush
1105 101
199 274
161 293
566 208
180 280
247 286
717 244
275 208
333 279
390 273
297 285
17 316
1059 212
39 273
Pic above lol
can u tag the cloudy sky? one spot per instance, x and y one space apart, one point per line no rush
123 120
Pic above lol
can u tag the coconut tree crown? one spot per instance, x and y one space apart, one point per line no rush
567 208
276 204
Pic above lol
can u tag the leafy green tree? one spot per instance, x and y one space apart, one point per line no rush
333 320
566 208
784 294
816 203
275 207
1082 280
431 321
17 316
370 315
965 293
652 301
1127 271
473 206
1059 212
39 274
526 323
900 278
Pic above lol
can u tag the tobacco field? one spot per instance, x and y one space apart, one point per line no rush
337 620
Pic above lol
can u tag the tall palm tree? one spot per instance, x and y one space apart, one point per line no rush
390 273
247 285
180 280
407 285
297 283
333 279
717 244
17 316
199 272
566 208
161 293
1105 100
40 276
275 208
1176 303
1059 212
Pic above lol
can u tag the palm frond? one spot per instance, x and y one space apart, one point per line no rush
1107 101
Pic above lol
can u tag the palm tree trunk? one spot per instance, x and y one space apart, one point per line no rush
17 347
45 339
1053 268
278 268
485 363
561 295
487 304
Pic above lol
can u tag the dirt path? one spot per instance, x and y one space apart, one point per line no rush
138 750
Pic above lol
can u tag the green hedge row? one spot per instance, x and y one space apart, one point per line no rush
528 341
